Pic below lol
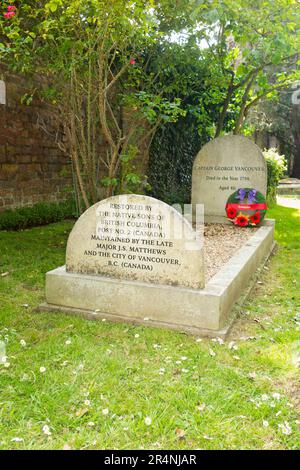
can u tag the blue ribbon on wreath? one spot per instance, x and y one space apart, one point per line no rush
250 193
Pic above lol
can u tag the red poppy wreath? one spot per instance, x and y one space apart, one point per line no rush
246 207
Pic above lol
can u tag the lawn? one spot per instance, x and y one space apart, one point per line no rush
72 383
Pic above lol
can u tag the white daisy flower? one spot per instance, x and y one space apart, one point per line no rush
201 407
276 395
46 430
285 428
148 421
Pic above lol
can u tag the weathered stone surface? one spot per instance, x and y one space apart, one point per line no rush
222 167
137 238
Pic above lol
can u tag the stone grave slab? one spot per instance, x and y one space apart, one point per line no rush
98 283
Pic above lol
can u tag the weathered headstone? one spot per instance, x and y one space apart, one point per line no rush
136 238
223 166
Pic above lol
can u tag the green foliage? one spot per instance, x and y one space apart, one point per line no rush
153 107
251 51
130 179
94 56
276 166
40 214
247 53
233 54
175 145
280 117
171 161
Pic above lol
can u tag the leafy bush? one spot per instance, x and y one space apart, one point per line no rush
172 155
276 166
40 214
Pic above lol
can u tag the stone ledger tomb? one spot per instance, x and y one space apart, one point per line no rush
133 258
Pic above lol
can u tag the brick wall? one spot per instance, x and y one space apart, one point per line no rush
32 168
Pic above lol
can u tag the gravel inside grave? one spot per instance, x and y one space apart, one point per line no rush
221 242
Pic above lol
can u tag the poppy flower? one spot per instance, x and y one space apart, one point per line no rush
231 212
132 61
9 14
11 8
241 220
255 218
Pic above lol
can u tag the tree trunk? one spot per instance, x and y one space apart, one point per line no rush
224 108
242 114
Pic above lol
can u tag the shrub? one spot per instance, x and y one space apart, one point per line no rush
276 166
172 155
40 214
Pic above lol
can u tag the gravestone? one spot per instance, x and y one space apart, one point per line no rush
136 238
223 166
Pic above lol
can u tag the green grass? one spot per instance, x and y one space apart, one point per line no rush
135 372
